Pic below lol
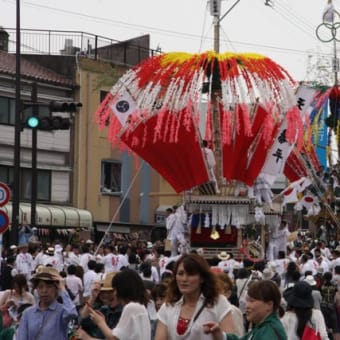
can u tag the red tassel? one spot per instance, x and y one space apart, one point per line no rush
158 128
208 124
246 120
294 126
102 114
226 127
268 127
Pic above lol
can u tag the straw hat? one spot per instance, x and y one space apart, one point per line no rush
292 236
267 274
50 251
106 283
45 274
223 255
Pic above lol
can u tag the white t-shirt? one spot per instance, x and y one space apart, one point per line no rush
75 285
110 263
169 314
121 262
89 277
134 323
84 260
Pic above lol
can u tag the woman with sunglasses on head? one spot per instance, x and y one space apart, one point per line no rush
193 298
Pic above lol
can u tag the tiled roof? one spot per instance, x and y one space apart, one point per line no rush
31 70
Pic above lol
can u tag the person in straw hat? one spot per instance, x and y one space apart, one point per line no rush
227 263
134 323
104 300
47 318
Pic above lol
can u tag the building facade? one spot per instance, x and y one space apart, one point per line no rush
78 169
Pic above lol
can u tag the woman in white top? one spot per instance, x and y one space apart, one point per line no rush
19 295
237 316
134 323
192 299
300 312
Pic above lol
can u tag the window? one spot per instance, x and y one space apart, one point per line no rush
43 182
7 111
102 95
111 177
101 98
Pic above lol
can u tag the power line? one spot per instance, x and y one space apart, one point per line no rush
293 20
299 18
171 32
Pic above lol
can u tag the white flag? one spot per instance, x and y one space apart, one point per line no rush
280 150
124 107
290 196
308 201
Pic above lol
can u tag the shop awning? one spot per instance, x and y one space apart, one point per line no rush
52 216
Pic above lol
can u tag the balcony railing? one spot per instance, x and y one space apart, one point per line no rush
70 43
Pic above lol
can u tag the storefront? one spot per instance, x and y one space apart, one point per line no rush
54 221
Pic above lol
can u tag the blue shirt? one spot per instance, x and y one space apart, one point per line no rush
51 323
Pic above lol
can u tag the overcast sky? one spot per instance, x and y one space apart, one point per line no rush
284 32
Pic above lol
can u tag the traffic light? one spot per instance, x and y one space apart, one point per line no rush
48 123
56 106
41 121
32 122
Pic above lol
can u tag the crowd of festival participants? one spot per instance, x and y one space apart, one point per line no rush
137 290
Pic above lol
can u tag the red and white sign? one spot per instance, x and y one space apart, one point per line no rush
5 194
4 221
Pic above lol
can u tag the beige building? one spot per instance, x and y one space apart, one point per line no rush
89 179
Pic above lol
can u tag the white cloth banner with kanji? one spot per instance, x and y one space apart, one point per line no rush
281 149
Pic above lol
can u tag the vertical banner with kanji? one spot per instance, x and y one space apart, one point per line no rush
281 149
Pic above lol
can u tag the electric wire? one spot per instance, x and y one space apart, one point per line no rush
203 27
300 19
169 32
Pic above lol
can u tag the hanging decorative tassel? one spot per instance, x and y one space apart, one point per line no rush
215 235
227 229
206 220
246 120
199 227
227 127
294 133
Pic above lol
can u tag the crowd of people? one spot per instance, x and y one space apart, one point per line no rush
138 290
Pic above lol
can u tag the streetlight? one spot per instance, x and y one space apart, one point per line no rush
327 32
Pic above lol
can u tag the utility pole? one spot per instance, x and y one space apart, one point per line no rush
215 11
17 132
35 113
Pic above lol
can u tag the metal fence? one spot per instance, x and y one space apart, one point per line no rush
50 42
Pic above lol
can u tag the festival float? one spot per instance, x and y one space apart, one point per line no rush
250 112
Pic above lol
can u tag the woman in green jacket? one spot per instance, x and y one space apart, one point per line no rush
263 302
